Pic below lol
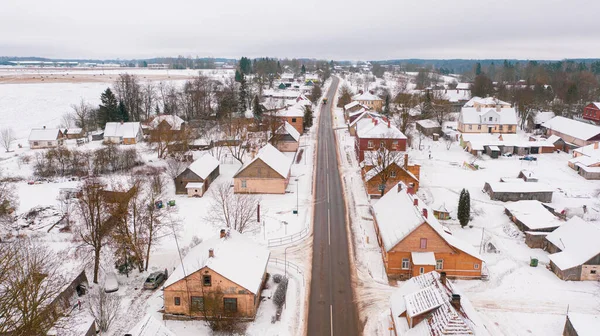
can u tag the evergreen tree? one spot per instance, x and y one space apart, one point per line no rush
303 69
308 117
122 114
243 96
345 96
279 70
386 105
245 65
108 110
238 76
464 208
157 110
315 93
478 69
256 108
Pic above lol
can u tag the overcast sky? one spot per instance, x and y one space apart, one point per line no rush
329 29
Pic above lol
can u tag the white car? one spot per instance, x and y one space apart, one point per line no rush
110 283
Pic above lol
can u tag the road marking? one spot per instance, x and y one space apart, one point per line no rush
331 318
328 188
329 226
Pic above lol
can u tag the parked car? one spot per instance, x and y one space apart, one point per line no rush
528 158
507 155
110 283
154 280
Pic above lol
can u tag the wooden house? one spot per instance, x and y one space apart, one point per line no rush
267 173
430 304
591 112
579 324
224 275
575 252
428 127
45 138
369 100
196 178
413 242
166 126
392 169
518 191
531 216
286 138
127 133
74 133
294 115
574 133
375 133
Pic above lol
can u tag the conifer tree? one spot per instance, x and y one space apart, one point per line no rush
122 113
464 208
303 71
243 96
108 110
256 108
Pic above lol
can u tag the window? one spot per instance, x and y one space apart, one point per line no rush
243 183
479 127
35 143
593 272
394 144
197 303
370 144
258 172
476 266
177 301
501 127
490 118
293 120
230 305
206 280
421 270
470 127
49 143
439 264
405 264
510 127
382 144
423 243
393 173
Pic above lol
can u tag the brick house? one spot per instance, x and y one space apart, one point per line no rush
574 133
413 242
294 115
375 133
392 169
267 173
196 178
592 112
166 126
226 272
487 115
369 100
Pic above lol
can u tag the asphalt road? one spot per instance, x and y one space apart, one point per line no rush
331 308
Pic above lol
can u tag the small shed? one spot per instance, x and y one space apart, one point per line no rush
74 133
196 178
528 176
428 127
492 151
518 191
440 211
195 189
98 136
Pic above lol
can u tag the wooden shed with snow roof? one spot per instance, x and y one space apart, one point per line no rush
196 178
267 173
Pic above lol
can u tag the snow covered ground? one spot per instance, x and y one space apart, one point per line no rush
517 299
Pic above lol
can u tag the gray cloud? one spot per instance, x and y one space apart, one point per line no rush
333 29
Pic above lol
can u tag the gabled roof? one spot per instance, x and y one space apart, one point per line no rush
126 130
364 114
473 115
365 96
543 116
351 105
488 101
533 214
585 324
519 186
150 326
272 158
204 165
286 129
377 128
578 241
296 111
45 134
574 128
371 157
425 294
397 217
592 151
174 121
236 257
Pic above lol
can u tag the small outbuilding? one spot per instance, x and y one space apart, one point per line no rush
45 138
428 127
286 138
518 191
127 133
196 178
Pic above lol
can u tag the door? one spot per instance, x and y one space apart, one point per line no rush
421 270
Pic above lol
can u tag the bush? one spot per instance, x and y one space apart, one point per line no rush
280 292
277 278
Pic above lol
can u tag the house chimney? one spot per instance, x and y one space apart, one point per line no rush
406 161
44 127
596 145
498 108
455 302
411 189
389 123
222 234
121 122
376 122
443 278
211 253
424 211
399 187
415 200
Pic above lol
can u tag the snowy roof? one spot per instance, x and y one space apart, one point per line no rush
44 134
73 130
126 130
194 185
351 105
204 165
377 128
494 148
236 257
272 158
428 123
488 101
479 140
365 96
454 96
463 86
578 241
150 326
397 217
592 151
296 111
585 324
533 214
519 187
503 116
286 128
371 158
542 117
365 114
426 294
574 128
423 258
174 121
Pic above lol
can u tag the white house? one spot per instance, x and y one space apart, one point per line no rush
128 133
45 138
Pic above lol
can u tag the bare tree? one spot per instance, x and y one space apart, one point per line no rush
155 220
238 144
7 136
176 165
30 287
128 90
82 113
235 211
9 200
103 307
67 120
381 162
